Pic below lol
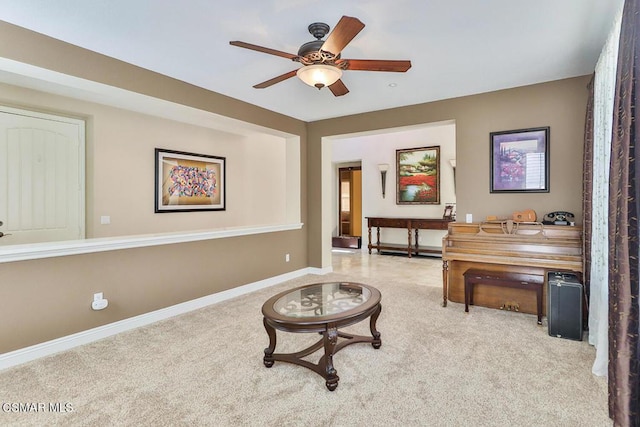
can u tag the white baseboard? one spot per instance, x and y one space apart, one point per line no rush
48 348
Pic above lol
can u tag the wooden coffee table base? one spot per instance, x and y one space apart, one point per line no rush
329 341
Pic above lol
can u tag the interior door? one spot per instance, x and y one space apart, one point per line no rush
41 177
356 202
350 201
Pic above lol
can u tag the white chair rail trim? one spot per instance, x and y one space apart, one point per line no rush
76 247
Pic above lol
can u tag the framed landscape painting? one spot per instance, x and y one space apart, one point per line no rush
520 161
418 180
188 182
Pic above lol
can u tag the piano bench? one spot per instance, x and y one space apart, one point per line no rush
474 276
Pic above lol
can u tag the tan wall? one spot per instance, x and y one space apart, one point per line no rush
559 104
36 49
50 298
120 170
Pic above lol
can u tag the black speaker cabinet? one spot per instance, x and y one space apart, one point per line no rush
564 305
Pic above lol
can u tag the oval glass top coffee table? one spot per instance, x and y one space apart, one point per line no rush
321 308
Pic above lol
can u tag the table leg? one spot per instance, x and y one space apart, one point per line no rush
445 282
268 352
369 245
377 342
330 341
409 248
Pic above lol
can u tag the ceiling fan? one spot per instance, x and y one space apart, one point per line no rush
321 62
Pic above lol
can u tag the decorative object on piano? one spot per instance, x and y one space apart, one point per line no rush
520 161
511 228
527 215
418 176
449 211
559 218
383 168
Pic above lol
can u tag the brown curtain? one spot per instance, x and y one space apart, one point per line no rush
624 175
587 191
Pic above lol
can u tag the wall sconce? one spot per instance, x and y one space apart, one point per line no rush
453 165
383 167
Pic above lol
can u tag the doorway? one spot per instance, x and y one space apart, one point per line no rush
349 208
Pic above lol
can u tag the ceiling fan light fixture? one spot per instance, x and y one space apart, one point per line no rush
319 75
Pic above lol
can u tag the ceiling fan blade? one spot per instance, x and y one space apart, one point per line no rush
275 80
338 88
375 65
263 49
345 30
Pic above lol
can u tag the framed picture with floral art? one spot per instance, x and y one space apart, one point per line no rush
418 176
520 161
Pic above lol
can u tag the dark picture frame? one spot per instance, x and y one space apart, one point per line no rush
189 182
520 161
418 176
448 211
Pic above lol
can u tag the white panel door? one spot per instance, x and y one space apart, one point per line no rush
41 177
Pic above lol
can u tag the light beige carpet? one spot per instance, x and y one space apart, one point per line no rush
436 367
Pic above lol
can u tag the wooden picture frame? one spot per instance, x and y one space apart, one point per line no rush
188 182
520 161
418 176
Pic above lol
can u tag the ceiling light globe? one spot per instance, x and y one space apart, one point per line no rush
319 75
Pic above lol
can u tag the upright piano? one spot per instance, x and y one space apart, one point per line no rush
507 246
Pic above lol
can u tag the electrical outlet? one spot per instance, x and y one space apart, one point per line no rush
287 258
99 302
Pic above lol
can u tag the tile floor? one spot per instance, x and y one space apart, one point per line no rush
422 270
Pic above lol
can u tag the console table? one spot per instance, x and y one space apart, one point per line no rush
410 224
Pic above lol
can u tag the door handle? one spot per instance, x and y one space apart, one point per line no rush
1 233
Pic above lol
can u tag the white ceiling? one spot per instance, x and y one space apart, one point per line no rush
457 47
